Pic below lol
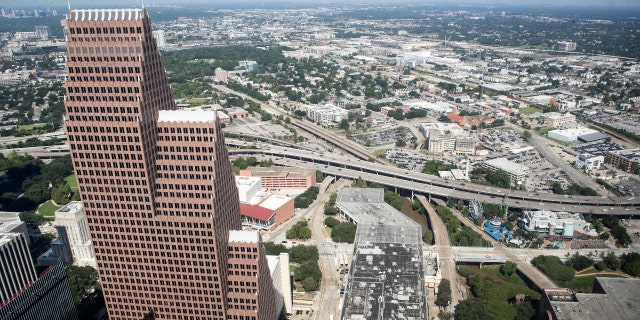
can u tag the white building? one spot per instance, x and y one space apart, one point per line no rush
516 171
589 162
327 115
73 234
249 188
447 137
557 223
279 268
248 65
556 119
160 37
569 135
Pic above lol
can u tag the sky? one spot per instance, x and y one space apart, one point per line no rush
82 4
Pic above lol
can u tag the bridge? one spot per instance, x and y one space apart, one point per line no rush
420 183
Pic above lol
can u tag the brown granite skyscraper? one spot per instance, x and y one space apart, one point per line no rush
156 183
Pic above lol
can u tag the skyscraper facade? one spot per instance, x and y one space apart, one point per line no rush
156 183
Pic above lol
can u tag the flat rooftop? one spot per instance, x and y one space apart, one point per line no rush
386 279
9 221
613 298
281 171
106 14
244 236
186 116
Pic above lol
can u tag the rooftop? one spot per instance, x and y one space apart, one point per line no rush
631 154
613 298
280 171
244 236
9 221
186 116
106 14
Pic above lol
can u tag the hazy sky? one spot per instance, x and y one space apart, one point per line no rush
137 3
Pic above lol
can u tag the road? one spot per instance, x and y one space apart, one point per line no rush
442 246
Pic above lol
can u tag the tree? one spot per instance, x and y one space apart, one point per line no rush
273 249
309 284
427 237
612 261
579 262
400 143
508 269
308 269
344 232
526 135
444 293
31 217
61 193
443 315
331 222
302 253
330 210
471 309
80 279
597 225
344 124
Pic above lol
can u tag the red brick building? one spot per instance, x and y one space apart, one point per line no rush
276 178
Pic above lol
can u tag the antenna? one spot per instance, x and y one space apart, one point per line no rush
142 4
69 4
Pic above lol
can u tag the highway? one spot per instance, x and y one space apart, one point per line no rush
351 168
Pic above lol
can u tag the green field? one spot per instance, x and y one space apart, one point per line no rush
72 182
530 110
48 209
32 126
380 153
494 270
585 284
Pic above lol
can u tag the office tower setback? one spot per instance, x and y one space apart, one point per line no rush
156 183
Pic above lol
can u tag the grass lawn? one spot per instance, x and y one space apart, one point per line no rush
585 284
328 229
72 182
379 153
292 268
530 110
48 209
494 270
32 126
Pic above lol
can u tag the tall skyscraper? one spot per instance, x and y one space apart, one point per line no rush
156 183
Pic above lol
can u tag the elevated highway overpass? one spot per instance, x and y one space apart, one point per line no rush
420 183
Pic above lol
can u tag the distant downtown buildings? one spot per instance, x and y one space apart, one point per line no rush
156 183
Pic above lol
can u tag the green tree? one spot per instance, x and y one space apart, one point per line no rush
80 279
330 210
427 237
31 217
273 249
508 269
331 222
61 193
471 309
400 143
444 293
302 253
309 284
612 261
344 124
579 262
344 232
308 269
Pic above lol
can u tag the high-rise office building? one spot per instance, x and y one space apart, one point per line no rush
23 294
156 183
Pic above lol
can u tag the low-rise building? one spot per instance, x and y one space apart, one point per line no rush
570 135
260 209
553 223
627 160
611 298
327 115
589 162
386 279
276 178
516 171
556 119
